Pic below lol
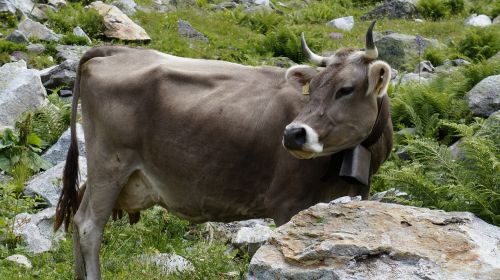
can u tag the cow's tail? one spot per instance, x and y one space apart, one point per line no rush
70 199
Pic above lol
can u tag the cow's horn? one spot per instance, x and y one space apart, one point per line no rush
313 58
371 51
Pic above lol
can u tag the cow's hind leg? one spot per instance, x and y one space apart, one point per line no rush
102 191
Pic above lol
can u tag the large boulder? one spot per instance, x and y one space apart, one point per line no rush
57 153
37 30
484 98
397 48
35 230
48 184
21 90
25 8
118 25
373 240
478 20
6 7
61 76
392 9
17 37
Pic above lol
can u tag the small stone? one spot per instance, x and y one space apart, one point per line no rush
344 23
186 30
35 48
345 199
37 30
64 75
336 35
18 55
57 3
17 37
425 66
389 195
20 259
478 20
169 263
249 239
78 31
419 20
65 93
126 6
460 62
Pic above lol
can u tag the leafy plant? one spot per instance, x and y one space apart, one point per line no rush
432 9
480 43
283 42
73 15
434 55
8 47
72 39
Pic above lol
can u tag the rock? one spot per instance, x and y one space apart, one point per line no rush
484 98
226 232
118 25
63 75
397 48
425 66
495 58
280 61
389 195
65 93
496 20
18 55
17 37
20 259
478 20
78 31
57 3
459 62
126 6
225 6
35 48
37 30
69 52
6 7
169 263
21 90
36 230
186 30
344 23
249 239
48 184
424 77
419 20
393 10
57 153
373 240
336 35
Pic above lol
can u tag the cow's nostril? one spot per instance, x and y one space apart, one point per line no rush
294 138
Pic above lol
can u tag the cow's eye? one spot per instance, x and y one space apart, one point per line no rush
343 92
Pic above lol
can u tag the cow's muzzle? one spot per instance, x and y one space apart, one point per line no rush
301 137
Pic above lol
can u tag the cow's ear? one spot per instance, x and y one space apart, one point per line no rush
298 76
379 76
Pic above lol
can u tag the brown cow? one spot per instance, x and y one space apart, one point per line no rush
204 138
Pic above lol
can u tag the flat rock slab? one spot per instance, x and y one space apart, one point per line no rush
37 30
118 25
21 90
372 240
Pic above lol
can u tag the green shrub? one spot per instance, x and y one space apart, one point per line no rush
455 7
8 47
259 22
73 15
72 39
433 9
283 42
40 61
480 43
435 56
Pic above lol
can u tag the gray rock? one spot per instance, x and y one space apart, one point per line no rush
373 240
225 6
37 30
126 6
425 66
78 31
186 30
35 48
249 239
17 37
20 259
496 20
389 195
484 98
345 199
397 48
459 62
424 77
6 7
63 75
18 56
21 90
57 3
64 93
495 58
57 153
392 9
280 61
169 263
226 232
48 184
69 52
344 23
258 9
478 20
35 230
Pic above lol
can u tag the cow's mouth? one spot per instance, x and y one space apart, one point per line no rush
301 141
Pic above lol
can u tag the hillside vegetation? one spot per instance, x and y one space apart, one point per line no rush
427 118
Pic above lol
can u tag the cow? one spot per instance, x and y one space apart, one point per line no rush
218 141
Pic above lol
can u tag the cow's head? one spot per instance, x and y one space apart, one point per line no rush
342 109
